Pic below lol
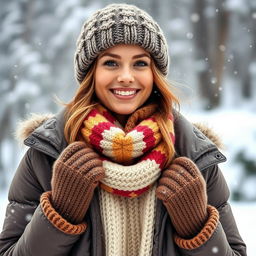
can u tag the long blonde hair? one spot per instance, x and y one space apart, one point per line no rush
79 107
85 99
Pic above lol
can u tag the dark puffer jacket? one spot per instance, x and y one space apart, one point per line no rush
27 232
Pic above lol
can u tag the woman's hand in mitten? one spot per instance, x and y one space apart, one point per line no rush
76 173
183 192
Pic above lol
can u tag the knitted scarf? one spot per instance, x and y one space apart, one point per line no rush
133 158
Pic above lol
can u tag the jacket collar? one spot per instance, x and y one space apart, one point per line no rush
49 136
189 140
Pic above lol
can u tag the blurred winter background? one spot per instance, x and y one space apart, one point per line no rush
213 62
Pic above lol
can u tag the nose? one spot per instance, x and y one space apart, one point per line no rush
125 76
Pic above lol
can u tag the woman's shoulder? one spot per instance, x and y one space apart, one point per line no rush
197 141
43 132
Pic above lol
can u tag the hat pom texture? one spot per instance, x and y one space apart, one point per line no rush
119 24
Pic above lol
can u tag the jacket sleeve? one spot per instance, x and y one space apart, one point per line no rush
26 230
225 240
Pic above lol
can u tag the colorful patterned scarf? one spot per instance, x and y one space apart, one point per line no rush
139 143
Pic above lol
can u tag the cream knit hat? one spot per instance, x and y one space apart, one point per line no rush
119 24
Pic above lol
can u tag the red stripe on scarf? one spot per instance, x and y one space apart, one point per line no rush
131 194
149 138
109 117
92 113
156 156
97 134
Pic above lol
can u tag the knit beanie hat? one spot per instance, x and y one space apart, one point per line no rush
119 24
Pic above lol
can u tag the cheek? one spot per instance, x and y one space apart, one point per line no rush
148 82
100 81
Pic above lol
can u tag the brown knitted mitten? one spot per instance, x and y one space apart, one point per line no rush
183 192
76 174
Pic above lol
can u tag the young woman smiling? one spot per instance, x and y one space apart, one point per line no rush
119 171
123 79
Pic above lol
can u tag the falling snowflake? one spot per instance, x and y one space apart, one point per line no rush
28 217
222 47
189 35
195 17
215 249
213 80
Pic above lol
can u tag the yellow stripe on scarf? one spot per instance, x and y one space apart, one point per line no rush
91 122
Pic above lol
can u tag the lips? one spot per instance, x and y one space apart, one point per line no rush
125 93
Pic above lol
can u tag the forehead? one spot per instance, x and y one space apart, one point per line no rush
125 50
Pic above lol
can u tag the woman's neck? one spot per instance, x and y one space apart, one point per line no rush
122 119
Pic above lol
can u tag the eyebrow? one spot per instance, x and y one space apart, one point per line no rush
119 57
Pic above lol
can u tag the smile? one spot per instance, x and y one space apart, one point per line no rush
125 93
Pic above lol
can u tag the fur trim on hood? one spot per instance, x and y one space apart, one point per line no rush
209 132
27 126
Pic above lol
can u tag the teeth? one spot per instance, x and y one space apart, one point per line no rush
124 93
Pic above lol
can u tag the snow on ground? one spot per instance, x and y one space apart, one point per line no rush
244 214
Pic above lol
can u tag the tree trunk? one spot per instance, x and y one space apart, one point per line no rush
210 39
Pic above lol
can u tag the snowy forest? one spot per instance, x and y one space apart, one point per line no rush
212 48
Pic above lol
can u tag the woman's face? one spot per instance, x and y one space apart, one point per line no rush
123 78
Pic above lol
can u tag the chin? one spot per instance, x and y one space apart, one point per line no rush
125 113
125 110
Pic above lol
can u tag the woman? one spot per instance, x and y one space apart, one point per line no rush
119 172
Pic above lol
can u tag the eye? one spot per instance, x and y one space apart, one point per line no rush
110 63
141 63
